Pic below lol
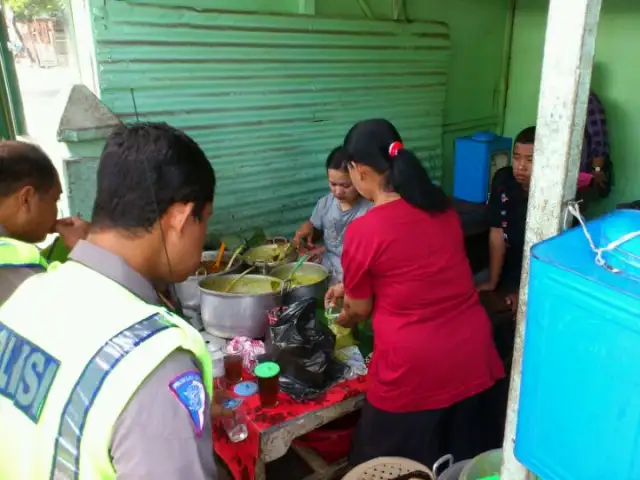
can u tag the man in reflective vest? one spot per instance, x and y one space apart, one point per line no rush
109 383
29 192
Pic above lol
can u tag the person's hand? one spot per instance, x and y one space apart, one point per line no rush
345 321
315 255
512 301
334 295
599 179
218 411
302 239
72 230
486 287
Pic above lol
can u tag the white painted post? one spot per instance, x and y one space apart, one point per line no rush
564 89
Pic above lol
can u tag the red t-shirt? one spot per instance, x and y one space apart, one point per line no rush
433 342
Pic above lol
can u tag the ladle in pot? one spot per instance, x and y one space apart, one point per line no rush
220 254
235 280
233 257
286 284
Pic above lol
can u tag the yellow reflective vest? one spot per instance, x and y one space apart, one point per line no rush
68 369
14 253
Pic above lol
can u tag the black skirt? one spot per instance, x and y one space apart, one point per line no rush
464 430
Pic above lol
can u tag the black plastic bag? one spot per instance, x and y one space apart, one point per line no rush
303 347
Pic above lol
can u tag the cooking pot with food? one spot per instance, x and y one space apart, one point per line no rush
266 257
237 307
189 292
309 280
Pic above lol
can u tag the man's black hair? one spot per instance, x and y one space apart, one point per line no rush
526 136
146 168
24 164
338 159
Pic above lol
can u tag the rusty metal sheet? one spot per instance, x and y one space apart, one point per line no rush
268 96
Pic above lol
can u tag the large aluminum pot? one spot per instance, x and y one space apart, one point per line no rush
229 315
307 271
266 257
189 291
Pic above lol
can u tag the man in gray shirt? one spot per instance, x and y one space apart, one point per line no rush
154 197
333 213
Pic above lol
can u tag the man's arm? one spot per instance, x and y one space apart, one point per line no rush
497 251
156 435
497 247
598 135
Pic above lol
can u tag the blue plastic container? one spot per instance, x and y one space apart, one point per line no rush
579 415
476 159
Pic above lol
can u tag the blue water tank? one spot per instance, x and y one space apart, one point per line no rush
579 415
477 157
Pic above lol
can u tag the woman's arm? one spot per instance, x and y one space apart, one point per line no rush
306 234
357 255
355 311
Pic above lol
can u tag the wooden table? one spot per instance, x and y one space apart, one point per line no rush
272 431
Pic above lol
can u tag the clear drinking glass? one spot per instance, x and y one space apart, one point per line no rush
236 426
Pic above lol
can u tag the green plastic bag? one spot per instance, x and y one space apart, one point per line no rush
363 333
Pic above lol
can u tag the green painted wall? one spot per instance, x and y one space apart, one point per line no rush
615 79
438 77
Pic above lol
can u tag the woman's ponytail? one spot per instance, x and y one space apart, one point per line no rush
409 179
377 144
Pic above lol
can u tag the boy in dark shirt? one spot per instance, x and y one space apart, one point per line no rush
507 212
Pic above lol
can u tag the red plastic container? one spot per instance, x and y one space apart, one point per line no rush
331 442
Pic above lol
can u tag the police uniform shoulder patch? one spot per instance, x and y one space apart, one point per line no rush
189 390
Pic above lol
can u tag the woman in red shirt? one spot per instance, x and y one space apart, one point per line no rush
405 263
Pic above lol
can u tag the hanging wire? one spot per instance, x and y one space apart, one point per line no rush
177 304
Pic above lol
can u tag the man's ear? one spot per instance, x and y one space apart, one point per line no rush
26 196
176 218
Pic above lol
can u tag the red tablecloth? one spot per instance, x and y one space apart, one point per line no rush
241 457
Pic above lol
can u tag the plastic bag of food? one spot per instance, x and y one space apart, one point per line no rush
344 336
303 347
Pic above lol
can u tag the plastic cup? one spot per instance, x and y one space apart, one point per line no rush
268 375
233 368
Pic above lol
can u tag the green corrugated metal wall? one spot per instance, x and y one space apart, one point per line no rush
267 96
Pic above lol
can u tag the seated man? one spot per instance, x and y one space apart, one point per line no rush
595 148
507 211
29 192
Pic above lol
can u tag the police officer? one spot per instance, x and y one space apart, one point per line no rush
111 384
29 192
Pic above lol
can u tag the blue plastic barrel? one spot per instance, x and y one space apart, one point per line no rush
579 415
472 164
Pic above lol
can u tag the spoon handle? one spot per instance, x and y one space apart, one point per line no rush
235 280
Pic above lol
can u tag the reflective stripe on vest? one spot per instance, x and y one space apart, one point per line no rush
14 253
66 456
